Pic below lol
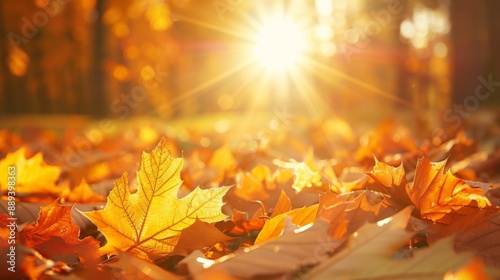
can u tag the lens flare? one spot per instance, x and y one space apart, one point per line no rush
279 44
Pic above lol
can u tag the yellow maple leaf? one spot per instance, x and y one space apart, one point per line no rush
32 175
148 223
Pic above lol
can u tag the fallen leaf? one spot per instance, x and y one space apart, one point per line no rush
130 267
197 236
429 263
275 226
82 193
377 239
32 175
283 205
223 160
56 236
392 181
442 197
148 223
305 246
253 185
477 232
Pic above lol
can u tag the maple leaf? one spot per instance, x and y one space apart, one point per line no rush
378 238
442 197
32 175
392 181
306 245
55 236
275 226
477 232
240 223
148 223
429 263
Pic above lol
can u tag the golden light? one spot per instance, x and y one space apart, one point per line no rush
279 44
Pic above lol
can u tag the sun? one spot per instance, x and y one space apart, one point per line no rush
279 44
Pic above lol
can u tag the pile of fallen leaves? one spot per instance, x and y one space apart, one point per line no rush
292 200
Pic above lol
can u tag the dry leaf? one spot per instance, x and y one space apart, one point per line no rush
392 181
442 197
56 236
197 236
305 246
253 185
275 226
148 223
378 239
130 267
81 194
477 232
32 175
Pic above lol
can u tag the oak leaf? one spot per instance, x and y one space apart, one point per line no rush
148 223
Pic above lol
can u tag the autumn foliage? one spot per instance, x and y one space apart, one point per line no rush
277 203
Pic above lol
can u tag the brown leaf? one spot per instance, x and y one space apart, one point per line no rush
478 232
371 240
198 236
282 255
130 267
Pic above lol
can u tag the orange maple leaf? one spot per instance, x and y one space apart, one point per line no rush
148 223
442 197
392 181
277 224
55 236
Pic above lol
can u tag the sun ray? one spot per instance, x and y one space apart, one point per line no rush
211 82
321 69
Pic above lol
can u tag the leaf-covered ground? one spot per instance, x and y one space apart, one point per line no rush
283 198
